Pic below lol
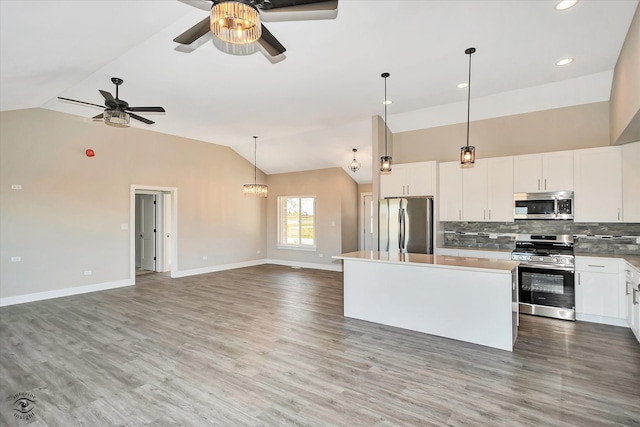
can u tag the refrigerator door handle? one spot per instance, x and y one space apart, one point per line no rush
401 214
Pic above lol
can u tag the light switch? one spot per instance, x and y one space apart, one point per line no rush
16 259
16 187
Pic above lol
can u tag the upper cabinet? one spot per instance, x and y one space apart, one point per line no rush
483 192
631 182
450 191
598 185
409 179
545 172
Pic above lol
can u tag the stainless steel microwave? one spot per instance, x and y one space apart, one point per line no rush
558 205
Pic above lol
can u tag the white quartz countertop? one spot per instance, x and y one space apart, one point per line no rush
438 261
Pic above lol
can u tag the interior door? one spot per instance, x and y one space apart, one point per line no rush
146 231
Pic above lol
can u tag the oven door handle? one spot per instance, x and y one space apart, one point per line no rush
547 267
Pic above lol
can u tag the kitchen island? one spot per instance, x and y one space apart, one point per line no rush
467 299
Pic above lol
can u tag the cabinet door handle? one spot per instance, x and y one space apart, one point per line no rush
545 183
489 213
635 293
484 214
626 288
407 189
459 214
618 214
578 279
595 265
538 184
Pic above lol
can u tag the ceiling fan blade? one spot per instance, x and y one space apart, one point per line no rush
142 119
98 117
270 43
146 109
80 102
302 5
107 96
194 33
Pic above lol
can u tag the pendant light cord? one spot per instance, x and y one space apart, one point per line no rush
469 51
255 159
385 75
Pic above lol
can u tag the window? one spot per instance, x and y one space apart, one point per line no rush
297 222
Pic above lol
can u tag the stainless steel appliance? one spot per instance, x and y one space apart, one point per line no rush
406 225
546 275
558 205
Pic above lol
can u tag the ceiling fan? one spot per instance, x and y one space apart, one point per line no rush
117 111
238 21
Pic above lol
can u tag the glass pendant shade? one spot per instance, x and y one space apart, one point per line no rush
354 165
116 117
235 22
385 164
467 155
255 189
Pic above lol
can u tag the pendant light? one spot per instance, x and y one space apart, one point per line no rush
385 161
355 165
468 153
255 189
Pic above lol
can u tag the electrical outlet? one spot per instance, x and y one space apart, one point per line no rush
88 272
16 259
493 236
638 240
16 187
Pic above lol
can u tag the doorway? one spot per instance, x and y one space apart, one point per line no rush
366 221
153 235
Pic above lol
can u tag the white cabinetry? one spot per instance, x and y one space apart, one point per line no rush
632 293
500 189
483 192
631 182
600 295
546 172
450 191
409 179
598 185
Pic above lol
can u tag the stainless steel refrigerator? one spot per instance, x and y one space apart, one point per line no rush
406 225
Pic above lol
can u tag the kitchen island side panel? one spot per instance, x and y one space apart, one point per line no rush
472 306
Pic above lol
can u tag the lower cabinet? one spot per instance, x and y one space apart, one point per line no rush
600 294
632 293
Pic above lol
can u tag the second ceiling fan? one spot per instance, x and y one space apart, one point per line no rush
239 21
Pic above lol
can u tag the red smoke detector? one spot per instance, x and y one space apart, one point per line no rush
90 152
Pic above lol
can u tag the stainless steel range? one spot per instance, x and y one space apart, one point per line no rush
546 275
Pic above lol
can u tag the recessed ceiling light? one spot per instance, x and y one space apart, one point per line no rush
566 4
462 85
565 61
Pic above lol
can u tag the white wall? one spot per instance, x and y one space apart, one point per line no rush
67 218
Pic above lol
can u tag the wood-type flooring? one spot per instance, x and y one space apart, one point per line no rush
269 346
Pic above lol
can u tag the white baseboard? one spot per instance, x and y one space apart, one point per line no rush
58 293
614 321
329 267
214 268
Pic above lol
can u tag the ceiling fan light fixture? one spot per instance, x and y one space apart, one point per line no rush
235 22
116 117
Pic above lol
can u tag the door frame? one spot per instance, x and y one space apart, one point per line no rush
362 221
153 189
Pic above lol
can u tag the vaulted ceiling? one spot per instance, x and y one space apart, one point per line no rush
313 104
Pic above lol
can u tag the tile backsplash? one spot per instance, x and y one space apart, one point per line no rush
600 238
